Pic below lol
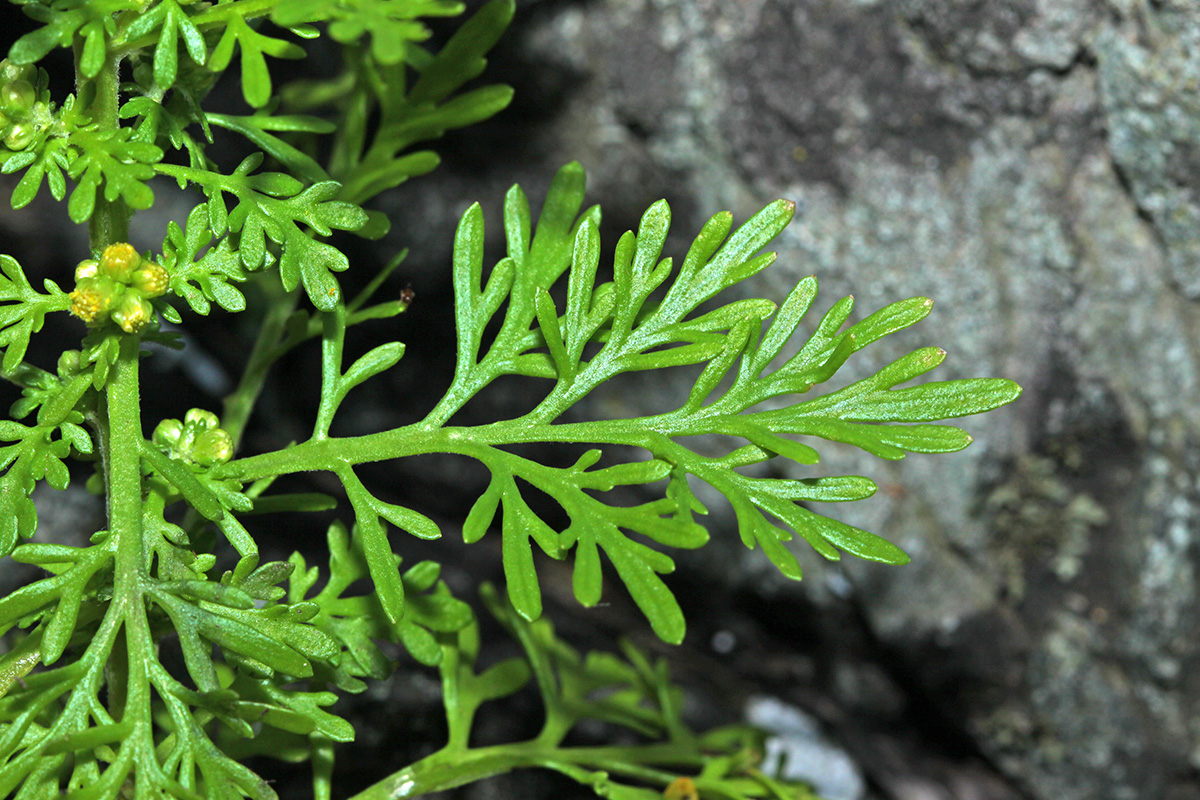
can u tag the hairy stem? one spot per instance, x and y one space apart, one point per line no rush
110 219
125 526
124 463
420 439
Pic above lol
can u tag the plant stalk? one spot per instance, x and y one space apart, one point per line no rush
448 769
240 403
124 462
125 525
110 219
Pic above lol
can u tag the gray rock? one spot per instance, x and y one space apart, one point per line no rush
797 751
1031 165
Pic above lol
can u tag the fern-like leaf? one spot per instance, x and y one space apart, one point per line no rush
650 317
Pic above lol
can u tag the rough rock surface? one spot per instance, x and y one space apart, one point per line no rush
1033 166
1030 164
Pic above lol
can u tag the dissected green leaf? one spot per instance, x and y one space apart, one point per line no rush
202 278
657 321
110 160
272 207
254 46
391 23
22 311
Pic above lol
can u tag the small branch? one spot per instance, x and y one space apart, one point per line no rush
240 403
332 338
448 769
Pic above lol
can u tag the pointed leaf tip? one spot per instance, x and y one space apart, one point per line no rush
1011 389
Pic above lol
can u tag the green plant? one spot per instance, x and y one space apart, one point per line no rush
89 703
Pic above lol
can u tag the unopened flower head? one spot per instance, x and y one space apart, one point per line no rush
119 260
134 313
94 298
118 286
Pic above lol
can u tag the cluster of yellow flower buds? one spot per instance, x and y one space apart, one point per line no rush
196 440
118 287
22 115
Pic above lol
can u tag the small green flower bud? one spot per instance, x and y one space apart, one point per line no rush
150 279
94 298
40 116
134 313
197 439
166 434
69 363
212 447
18 136
10 72
201 420
17 98
86 269
119 260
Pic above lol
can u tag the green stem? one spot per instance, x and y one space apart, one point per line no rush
275 340
332 339
125 526
110 219
322 761
419 439
239 405
125 466
447 769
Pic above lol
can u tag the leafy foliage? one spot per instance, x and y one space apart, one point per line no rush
254 46
596 339
150 658
391 23
627 693
23 311
111 159
171 22
66 22
271 207
271 636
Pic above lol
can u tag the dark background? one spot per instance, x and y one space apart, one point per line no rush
1029 164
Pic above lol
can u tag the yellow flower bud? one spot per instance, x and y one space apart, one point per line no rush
69 363
196 440
86 269
134 313
119 260
18 136
150 279
10 72
93 298
167 433
17 97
